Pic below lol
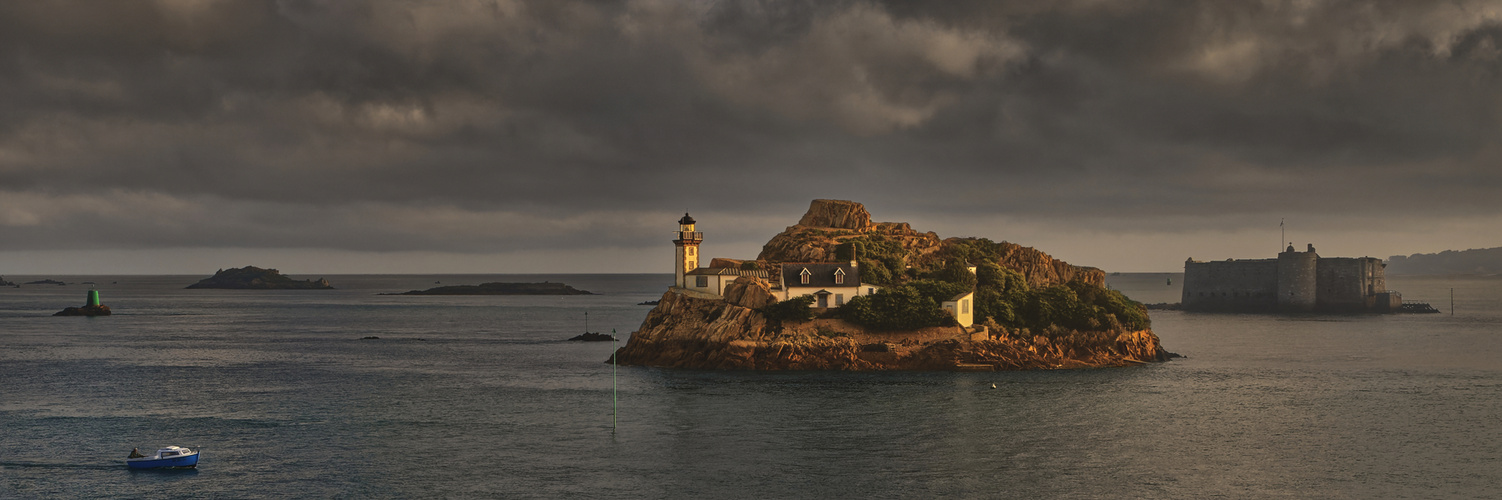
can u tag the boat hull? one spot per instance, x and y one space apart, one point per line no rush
182 462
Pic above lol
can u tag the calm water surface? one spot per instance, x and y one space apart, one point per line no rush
482 397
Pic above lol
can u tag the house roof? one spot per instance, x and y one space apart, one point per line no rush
820 274
727 271
957 298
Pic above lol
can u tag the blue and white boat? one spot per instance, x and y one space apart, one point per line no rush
171 457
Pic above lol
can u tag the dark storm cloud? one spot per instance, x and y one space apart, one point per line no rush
493 125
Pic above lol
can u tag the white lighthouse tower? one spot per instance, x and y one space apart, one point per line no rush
686 249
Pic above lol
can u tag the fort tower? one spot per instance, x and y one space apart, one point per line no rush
1296 279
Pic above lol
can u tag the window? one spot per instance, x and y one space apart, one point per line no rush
839 299
965 306
839 276
701 281
870 291
804 276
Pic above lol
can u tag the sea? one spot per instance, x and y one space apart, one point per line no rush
349 393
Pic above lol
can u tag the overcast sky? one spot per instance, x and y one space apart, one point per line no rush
182 136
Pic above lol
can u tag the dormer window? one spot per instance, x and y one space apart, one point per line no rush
839 276
804 275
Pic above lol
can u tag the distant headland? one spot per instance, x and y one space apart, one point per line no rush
544 288
255 278
1478 261
837 291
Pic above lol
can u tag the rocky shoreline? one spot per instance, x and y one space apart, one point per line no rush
708 334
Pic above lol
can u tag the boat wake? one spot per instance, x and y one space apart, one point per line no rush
62 465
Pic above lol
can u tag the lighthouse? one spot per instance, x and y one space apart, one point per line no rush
686 250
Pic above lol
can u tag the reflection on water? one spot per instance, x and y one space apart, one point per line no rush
480 396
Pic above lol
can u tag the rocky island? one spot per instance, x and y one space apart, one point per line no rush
544 288
918 302
255 278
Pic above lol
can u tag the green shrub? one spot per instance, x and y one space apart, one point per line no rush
896 308
793 309
938 291
882 260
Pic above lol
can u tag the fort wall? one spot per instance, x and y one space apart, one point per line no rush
1293 282
1230 285
1349 284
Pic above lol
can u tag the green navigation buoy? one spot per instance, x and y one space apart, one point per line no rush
91 307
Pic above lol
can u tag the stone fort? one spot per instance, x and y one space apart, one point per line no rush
1293 282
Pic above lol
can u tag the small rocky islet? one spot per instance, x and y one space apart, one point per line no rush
593 337
1059 322
255 278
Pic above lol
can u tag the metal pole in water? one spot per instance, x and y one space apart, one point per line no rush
615 400
1452 301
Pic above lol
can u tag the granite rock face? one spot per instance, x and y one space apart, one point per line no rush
750 292
1040 269
837 214
829 223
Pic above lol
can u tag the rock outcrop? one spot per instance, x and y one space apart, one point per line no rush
99 310
749 292
255 278
1040 269
695 333
829 223
837 214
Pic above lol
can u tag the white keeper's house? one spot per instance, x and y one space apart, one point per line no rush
830 284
